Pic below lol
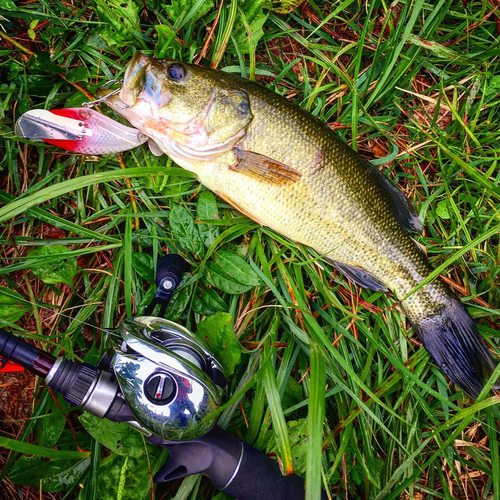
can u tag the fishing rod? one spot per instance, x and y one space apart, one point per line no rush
160 379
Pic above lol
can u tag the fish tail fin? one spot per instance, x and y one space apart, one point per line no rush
455 345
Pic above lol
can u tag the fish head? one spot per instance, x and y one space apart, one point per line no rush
191 113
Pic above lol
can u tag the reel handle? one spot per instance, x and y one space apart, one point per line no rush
170 270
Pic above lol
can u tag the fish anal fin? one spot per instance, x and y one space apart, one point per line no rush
238 207
361 277
404 209
263 168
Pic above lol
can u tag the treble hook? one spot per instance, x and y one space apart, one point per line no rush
91 104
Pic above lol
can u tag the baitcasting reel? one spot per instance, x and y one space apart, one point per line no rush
169 379
157 377
160 379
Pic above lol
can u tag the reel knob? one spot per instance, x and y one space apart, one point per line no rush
170 270
160 388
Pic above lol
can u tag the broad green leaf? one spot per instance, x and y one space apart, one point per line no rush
40 85
212 299
178 9
96 41
78 74
206 301
55 269
217 278
118 437
43 62
493 86
179 301
70 440
217 332
167 44
143 266
206 210
55 475
184 230
233 266
146 299
222 496
284 6
13 306
177 185
134 472
8 5
200 307
256 17
122 19
142 237
49 429
442 210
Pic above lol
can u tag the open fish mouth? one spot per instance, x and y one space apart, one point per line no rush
160 97
145 77
143 83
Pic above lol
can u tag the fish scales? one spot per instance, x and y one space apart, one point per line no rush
284 169
335 207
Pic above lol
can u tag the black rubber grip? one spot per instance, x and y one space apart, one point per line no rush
233 467
73 380
15 349
259 478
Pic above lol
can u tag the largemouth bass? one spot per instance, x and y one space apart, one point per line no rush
285 170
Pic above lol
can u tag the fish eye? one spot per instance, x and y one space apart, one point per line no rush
176 72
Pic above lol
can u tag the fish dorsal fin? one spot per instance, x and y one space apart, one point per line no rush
404 209
263 168
361 277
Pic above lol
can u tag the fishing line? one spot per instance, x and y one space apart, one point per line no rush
5 292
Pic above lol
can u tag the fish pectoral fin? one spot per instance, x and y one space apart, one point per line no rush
360 277
263 168
154 148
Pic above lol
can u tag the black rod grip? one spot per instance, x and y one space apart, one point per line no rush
259 478
234 467
30 357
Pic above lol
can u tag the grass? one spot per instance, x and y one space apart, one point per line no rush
413 86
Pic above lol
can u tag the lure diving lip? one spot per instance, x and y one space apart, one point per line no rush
81 130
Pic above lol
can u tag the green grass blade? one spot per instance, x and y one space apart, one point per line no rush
22 204
279 422
315 423
40 451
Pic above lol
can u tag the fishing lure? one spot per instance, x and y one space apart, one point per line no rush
81 130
